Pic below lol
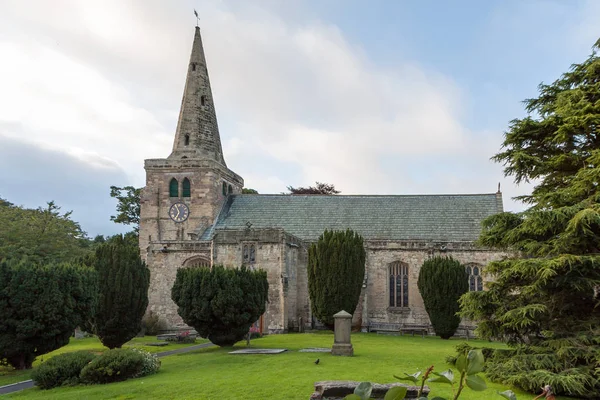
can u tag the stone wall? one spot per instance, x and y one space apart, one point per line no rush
271 254
381 253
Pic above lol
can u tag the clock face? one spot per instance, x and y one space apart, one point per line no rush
179 212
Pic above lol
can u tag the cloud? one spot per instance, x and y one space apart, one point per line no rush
297 101
33 176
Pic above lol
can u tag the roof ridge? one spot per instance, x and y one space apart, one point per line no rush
364 195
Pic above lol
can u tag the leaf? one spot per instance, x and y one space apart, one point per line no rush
461 363
352 397
444 377
363 390
475 362
396 393
508 394
475 382
413 378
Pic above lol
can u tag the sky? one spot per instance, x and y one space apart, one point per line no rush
378 97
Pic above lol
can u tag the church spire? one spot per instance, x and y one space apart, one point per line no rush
197 134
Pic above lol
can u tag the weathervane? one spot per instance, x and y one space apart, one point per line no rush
197 17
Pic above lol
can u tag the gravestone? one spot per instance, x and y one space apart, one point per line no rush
341 333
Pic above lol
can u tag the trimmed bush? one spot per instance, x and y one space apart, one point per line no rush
336 270
442 280
40 307
60 370
220 303
123 279
114 366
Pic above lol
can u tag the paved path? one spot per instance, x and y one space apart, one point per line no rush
16 387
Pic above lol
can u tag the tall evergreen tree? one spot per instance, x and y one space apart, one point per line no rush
220 303
40 307
442 280
544 300
123 291
336 270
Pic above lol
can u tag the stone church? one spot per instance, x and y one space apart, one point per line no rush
193 213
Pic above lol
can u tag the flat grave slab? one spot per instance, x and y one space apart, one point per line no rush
258 351
315 350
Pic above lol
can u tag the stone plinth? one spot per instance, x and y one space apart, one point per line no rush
342 345
334 390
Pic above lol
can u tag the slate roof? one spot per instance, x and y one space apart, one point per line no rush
408 217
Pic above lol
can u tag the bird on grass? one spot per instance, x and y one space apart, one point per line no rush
317 361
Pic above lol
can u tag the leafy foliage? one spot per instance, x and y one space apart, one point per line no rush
43 235
114 365
442 280
468 366
249 191
40 307
63 369
220 303
319 188
128 205
545 300
336 269
123 295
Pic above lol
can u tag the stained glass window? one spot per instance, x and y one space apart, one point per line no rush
475 278
398 284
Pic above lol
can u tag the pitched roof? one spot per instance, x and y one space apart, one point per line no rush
409 217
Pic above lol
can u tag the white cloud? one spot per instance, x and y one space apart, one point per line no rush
102 80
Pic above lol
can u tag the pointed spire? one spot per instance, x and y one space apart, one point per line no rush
197 134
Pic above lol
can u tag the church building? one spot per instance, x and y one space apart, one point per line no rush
193 213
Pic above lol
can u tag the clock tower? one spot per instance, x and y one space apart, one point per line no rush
185 191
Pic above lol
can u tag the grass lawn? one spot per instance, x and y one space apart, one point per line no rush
211 373
9 375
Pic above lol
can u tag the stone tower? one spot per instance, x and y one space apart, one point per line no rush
185 191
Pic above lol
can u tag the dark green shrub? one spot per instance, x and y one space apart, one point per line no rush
336 270
442 281
63 369
40 307
114 366
221 304
123 296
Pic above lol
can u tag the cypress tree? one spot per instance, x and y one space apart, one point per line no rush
123 294
220 303
40 306
336 269
442 280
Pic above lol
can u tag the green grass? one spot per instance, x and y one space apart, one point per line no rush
211 373
9 375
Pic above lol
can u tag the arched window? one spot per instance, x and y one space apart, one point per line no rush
186 140
173 188
196 262
203 100
186 188
224 189
398 284
475 278
249 254
229 190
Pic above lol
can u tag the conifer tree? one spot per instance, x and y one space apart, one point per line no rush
442 280
220 303
123 291
40 307
336 270
544 300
